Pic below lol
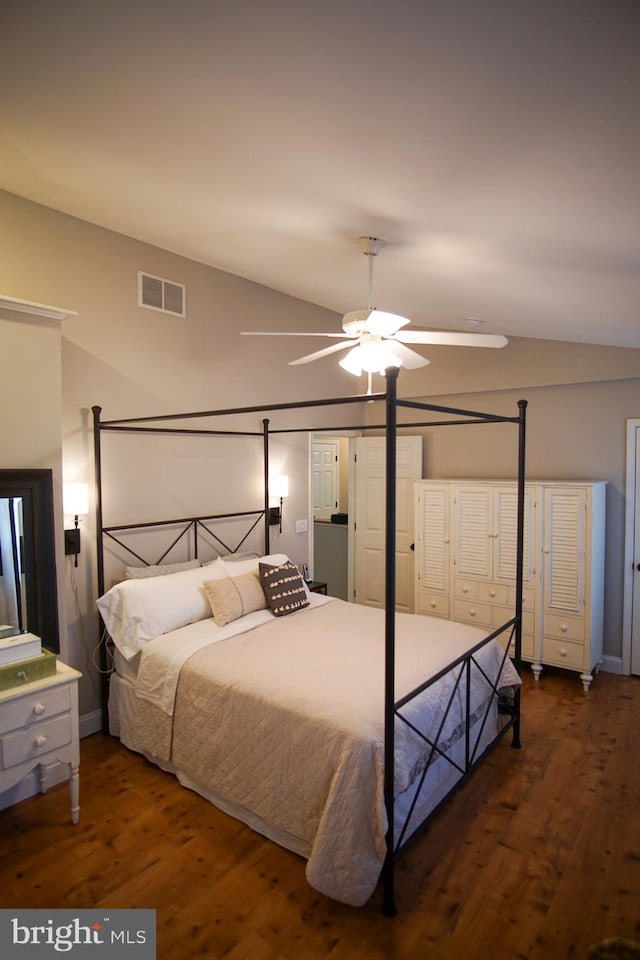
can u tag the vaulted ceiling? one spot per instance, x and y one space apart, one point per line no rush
493 145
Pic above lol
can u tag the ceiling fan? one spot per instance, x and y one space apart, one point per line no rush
377 338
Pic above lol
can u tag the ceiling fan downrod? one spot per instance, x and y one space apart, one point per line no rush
371 246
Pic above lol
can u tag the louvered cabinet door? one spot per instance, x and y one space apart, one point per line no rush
432 548
473 525
572 541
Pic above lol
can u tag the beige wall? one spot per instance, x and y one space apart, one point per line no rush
135 362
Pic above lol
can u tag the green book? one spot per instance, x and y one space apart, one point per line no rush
21 672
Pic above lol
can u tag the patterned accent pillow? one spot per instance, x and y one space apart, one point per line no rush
283 587
233 597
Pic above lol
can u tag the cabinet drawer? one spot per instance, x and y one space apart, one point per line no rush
479 590
492 593
34 708
471 612
528 598
35 741
564 628
466 589
563 653
526 647
434 605
500 615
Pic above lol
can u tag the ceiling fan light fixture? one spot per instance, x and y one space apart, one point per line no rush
351 362
372 356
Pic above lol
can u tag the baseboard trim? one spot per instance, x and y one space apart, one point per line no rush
612 664
90 723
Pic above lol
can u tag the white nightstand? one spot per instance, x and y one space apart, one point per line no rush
39 726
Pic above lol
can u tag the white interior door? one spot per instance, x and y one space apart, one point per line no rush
325 478
369 514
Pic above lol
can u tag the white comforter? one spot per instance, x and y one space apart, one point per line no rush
286 721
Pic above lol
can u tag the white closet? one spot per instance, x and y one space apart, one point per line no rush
465 542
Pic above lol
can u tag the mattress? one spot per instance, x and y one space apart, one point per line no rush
282 725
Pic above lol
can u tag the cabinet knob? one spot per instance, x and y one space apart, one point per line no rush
563 652
472 612
39 709
433 603
40 740
465 589
492 593
563 627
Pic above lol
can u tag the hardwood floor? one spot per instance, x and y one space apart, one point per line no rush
538 856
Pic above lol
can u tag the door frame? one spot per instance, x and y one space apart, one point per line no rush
631 486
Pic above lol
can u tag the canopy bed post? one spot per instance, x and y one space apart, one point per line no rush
522 420
265 444
104 666
388 905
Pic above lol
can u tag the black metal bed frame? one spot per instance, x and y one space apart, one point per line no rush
460 669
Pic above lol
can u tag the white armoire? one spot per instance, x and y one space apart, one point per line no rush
465 543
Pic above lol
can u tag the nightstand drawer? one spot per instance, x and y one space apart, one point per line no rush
35 741
34 708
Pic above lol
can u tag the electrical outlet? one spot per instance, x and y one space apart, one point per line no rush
302 526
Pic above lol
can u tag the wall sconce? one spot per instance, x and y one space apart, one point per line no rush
278 487
75 497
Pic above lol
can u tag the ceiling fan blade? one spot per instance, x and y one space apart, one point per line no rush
410 359
322 353
452 338
379 323
289 333
383 324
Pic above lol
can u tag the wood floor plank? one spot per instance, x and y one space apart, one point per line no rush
538 856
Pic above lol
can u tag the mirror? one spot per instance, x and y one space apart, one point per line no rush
28 594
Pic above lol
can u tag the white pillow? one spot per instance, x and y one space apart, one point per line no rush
160 570
136 611
236 567
246 555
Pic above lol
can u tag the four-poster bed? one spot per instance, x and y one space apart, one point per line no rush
370 754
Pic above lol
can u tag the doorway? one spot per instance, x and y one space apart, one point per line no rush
631 627
349 556
330 501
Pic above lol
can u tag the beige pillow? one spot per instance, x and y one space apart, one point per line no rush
233 597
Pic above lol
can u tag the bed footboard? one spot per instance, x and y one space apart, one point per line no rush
480 721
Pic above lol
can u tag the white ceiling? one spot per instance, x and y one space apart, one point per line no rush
493 144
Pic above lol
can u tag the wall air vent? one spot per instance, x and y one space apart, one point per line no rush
163 295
